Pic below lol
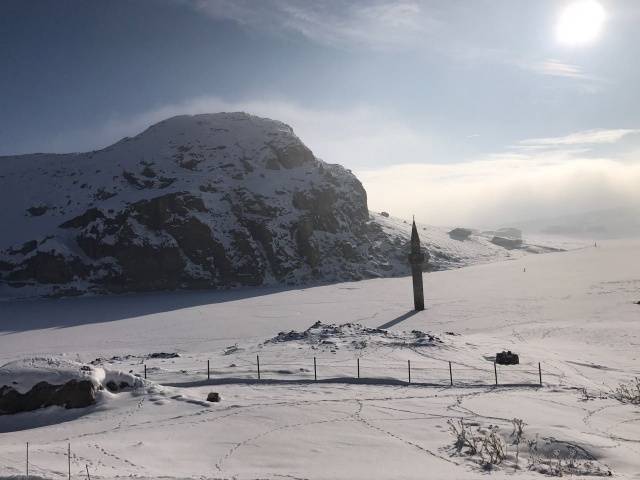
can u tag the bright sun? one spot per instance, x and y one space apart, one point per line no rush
580 22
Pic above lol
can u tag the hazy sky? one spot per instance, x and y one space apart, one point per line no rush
472 112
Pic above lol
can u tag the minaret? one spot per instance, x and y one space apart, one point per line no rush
416 259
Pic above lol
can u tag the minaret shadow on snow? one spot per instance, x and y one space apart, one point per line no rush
416 259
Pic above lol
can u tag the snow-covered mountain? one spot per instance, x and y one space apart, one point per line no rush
202 201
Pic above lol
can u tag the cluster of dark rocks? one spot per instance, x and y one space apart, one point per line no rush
72 394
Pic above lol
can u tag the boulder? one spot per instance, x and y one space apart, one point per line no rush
72 394
507 358
460 233
213 397
508 243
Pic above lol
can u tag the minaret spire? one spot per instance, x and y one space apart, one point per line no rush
416 259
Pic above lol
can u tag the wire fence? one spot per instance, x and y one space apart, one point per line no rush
323 370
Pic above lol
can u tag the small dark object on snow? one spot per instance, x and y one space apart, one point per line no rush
638 302
213 397
507 358
385 214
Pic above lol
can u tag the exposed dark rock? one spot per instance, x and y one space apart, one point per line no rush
37 210
460 233
507 243
73 394
148 172
103 194
507 358
163 355
112 386
213 397
385 214
26 248
48 267
83 220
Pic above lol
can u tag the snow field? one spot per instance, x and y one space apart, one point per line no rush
572 311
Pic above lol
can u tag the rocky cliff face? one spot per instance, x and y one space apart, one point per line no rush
201 201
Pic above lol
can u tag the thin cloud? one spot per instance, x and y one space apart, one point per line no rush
586 137
556 68
377 24
553 68
495 191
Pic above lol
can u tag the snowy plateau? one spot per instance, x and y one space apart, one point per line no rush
317 376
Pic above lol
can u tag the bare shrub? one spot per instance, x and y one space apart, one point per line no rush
628 392
493 449
567 460
548 456
464 438
516 436
484 443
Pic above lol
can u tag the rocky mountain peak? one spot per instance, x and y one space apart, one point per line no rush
194 201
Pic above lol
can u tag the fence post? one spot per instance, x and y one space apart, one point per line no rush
69 457
87 467
145 370
208 370
540 373
409 369
258 362
450 374
315 371
358 359
27 460
495 371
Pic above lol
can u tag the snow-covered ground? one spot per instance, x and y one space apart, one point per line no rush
572 311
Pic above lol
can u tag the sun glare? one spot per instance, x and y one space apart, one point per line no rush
580 22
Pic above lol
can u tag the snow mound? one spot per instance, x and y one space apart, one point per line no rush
22 375
354 336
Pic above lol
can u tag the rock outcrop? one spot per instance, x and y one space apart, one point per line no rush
508 243
460 234
72 394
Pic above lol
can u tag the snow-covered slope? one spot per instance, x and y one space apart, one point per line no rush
215 200
574 312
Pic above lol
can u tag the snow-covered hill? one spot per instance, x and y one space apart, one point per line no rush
215 200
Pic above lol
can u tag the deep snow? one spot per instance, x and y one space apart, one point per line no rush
572 311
